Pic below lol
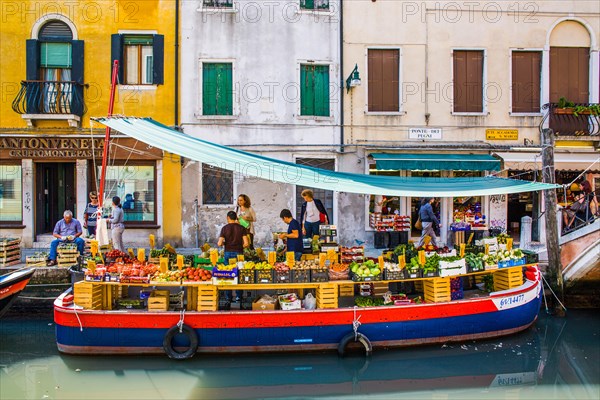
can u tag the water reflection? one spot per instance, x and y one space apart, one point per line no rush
560 354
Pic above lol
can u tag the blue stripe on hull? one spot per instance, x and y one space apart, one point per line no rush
307 336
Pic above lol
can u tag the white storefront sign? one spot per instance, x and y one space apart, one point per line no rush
425 133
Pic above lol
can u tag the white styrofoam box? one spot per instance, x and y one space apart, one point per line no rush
294 305
457 267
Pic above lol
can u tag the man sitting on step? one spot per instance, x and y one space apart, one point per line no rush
66 230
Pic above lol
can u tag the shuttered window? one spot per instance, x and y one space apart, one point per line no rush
468 81
141 58
384 79
526 77
314 4
217 89
314 90
569 74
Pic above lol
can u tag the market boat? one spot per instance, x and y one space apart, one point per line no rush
88 331
11 284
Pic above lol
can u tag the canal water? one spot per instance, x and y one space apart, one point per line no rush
558 358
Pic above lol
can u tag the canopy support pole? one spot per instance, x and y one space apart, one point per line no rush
111 104
552 244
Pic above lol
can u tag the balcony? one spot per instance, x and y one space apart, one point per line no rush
50 100
576 122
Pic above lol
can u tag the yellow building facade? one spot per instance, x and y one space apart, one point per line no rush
56 67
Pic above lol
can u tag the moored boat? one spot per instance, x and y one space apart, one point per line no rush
11 284
88 331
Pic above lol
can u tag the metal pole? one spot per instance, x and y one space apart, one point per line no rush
552 244
196 226
111 104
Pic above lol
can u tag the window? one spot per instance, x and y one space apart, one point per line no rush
217 185
11 203
314 90
468 81
218 3
314 4
135 185
569 74
326 196
217 89
141 58
526 75
384 80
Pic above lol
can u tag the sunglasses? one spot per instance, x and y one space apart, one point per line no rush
93 197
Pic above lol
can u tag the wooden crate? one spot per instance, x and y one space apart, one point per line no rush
419 286
346 290
158 303
327 295
10 251
4 264
9 242
380 288
508 278
436 290
192 298
208 298
88 295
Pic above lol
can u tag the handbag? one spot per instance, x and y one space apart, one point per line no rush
322 218
419 224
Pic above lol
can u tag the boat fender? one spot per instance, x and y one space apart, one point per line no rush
351 337
168 342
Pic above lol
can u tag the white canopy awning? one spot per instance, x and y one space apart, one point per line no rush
519 160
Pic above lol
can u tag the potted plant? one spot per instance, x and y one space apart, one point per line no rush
569 108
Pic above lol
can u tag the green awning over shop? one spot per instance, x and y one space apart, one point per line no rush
251 164
436 162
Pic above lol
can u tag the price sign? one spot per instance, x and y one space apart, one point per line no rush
240 257
152 241
487 249
322 258
94 247
179 261
380 259
164 264
141 254
290 258
509 244
462 248
214 257
272 258
402 261
91 265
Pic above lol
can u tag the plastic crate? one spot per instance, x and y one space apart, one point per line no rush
319 275
246 276
301 275
263 276
393 275
282 276
430 274
414 274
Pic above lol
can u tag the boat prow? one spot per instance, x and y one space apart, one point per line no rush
11 285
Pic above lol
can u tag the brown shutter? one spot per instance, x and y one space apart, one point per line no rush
468 80
569 74
384 80
526 75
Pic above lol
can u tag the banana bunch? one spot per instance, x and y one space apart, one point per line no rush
223 267
263 265
249 265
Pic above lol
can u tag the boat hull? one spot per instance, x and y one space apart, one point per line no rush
125 332
11 285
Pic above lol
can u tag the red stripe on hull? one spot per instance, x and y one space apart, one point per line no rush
12 289
249 319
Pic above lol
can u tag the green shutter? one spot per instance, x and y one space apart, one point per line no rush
55 55
144 40
322 90
217 89
224 90
307 4
209 89
307 90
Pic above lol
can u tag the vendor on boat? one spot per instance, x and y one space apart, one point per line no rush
67 230
293 235
235 238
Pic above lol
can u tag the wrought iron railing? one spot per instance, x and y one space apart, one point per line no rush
577 120
50 97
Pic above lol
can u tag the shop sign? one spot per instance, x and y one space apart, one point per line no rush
425 133
501 134
67 147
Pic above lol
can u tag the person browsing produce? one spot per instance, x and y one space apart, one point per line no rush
233 236
293 235
65 231
246 217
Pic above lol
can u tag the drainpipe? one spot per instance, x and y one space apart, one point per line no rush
341 76
176 108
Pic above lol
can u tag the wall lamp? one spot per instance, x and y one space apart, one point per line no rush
353 79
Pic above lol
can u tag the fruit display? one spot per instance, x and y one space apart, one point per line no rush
306 264
368 271
505 258
196 275
281 267
502 238
339 272
168 276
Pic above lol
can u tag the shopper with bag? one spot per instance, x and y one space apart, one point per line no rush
427 218
312 214
246 217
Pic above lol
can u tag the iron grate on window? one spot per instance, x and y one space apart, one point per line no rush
217 185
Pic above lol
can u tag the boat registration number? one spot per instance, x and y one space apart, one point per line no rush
512 300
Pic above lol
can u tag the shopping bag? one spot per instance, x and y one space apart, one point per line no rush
322 218
418 224
102 232
243 222
310 303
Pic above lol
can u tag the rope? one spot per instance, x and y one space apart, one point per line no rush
181 318
355 324
77 315
544 296
554 294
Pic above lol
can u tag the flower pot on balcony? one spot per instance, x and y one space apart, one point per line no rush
571 111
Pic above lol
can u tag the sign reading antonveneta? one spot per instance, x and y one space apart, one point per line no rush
74 148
